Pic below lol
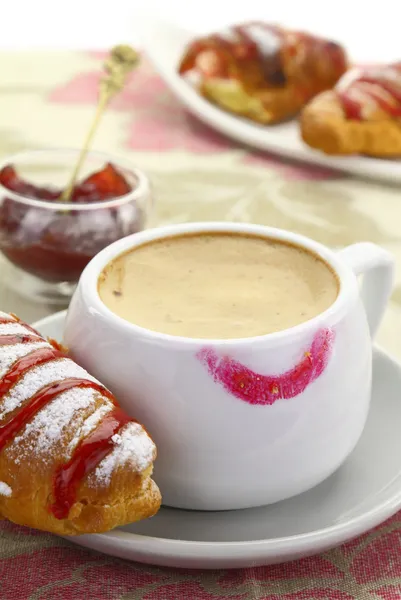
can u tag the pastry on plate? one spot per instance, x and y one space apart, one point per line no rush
260 71
361 115
71 461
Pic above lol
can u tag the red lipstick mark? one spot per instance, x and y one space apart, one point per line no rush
267 389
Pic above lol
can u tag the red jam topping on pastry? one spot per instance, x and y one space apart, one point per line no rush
86 456
91 449
268 45
371 90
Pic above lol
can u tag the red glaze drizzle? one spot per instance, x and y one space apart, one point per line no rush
23 364
39 400
18 338
250 41
90 451
370 84
267 44
86 456
351 108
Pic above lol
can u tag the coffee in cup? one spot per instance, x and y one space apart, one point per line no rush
218 285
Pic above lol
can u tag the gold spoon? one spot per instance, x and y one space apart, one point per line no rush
117 66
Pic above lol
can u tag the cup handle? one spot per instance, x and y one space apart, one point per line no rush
377 267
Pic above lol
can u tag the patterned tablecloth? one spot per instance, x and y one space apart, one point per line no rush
46 99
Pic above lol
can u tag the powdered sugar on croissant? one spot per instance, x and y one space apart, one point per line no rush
70 459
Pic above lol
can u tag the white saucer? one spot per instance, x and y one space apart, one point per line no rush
362 494
164 43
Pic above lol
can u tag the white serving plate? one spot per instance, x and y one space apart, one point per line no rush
364 492
164 43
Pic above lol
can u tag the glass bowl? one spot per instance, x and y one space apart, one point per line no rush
48 243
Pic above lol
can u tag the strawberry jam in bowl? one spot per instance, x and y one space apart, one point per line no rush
46 240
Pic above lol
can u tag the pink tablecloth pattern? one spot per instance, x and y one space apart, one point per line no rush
36 566
46 99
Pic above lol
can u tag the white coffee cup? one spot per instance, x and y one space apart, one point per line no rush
310 384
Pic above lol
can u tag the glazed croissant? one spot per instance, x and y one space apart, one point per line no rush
71 461
261 71
362 115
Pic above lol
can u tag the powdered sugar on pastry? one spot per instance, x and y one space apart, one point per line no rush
4 315
90 423
44 431
230 35
38 377
9 354
132 447
50 423
5 489
13 328
348 78
267 40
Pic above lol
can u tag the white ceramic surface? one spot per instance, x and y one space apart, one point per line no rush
164 43
361 494
225 444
